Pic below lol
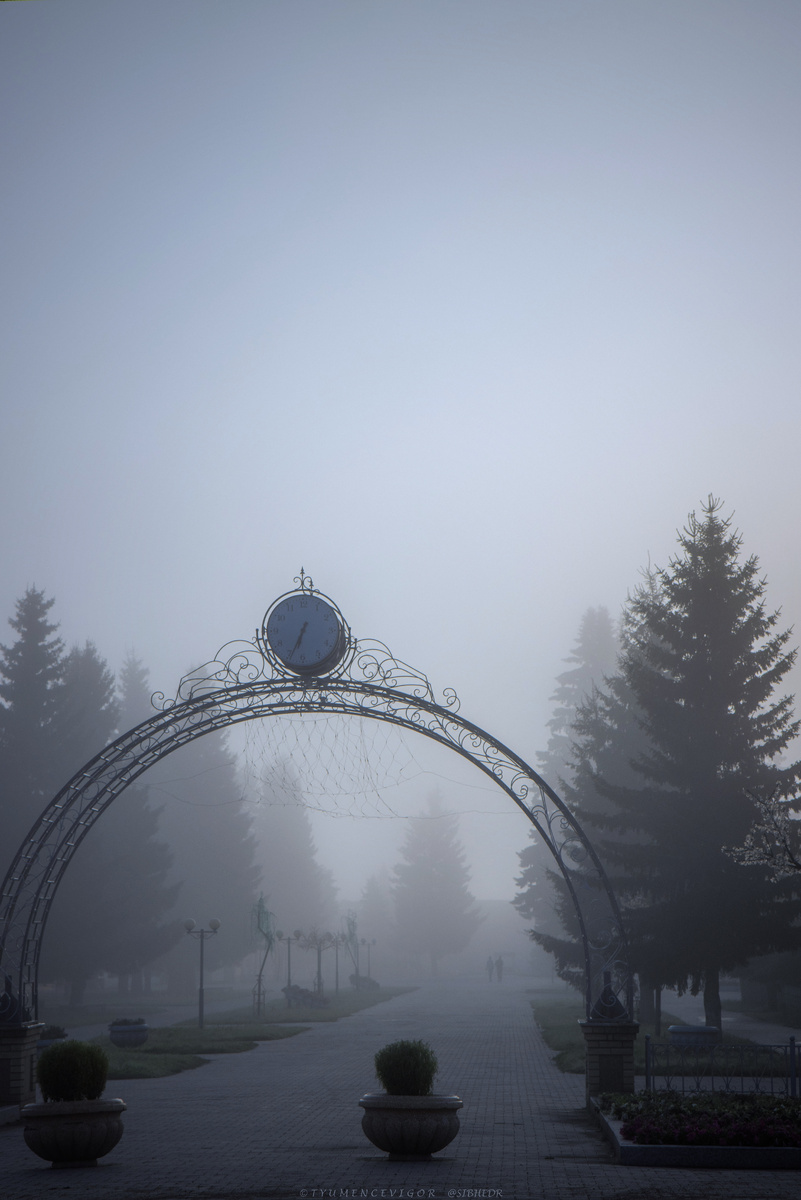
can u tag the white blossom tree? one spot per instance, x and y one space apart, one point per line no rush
774 839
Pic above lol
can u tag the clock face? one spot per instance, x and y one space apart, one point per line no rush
306 634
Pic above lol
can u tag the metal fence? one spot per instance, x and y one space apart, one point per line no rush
722 1067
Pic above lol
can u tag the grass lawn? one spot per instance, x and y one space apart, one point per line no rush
178 1048
182 1047
558 1020
347 1002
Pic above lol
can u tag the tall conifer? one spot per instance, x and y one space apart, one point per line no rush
301 892
31 675
434 909
541 895
108 913
699 675
208 824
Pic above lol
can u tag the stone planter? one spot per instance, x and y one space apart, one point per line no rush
410 1127
73 1133
128 1037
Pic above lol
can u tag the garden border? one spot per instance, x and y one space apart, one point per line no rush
745 1158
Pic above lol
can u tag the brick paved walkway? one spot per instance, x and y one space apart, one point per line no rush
282 1122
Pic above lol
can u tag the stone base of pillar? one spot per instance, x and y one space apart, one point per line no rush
610 1056
18 1062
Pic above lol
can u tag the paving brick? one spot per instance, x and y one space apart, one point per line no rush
282 1122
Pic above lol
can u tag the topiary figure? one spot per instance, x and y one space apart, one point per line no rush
72 1071
406 1068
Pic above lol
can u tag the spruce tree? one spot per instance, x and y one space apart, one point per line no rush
108 911
434 909
699 675
31 677
593 657
134 693
300 891
608 738
207 822
89 711
81 918
377 923
541 895
141 859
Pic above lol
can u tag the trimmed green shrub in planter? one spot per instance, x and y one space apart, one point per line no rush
406 1068
72 1071
407 1120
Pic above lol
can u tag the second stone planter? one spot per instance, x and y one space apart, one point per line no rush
410 1127
128 1037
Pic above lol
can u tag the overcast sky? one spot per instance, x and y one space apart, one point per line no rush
460 306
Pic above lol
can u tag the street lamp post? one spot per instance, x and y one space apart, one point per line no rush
368 944
285 937
339 940
201 934
315 940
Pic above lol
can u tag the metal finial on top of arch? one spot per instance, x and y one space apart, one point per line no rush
307 663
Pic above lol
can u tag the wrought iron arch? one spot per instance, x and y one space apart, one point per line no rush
245 682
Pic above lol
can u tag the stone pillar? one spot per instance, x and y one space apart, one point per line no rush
610 1056
18 1062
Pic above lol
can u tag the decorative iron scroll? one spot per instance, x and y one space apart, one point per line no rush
242 662
244 683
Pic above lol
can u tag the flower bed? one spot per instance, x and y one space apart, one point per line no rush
706 1119
708 1129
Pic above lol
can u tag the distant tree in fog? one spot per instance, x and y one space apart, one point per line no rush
81 916
301 892
593 657
31 674
89 710
376 917
610 736
109 909
541 895
376 911
207 823
58 710
434 909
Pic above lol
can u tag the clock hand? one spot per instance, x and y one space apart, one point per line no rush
303 629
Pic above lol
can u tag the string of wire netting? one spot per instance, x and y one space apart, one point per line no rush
337 764
332 764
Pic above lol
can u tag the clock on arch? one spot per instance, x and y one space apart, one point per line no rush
305 632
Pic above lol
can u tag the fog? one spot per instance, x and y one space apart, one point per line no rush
462 307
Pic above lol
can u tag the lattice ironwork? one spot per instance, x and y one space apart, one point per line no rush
722 1067
246 682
